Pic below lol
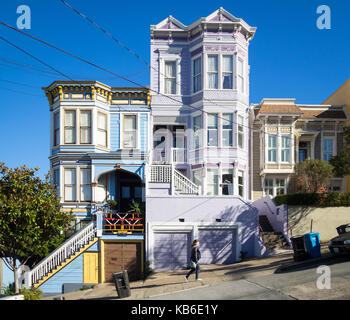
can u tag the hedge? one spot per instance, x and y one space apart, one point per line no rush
328 199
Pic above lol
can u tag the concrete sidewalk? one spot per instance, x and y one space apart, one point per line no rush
165 282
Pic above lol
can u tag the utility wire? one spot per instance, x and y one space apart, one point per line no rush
119 76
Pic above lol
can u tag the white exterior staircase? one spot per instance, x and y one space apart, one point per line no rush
61 256
180 184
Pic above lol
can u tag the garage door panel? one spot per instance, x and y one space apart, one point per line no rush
217 246
171 250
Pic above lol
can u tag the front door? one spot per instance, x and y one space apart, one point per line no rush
90 267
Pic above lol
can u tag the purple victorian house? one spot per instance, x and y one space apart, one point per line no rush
198 184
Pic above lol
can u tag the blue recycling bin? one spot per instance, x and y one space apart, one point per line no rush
312 244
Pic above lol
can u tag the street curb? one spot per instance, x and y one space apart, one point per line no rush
295 265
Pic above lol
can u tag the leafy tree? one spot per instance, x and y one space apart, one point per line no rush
312 175
31 222
341 162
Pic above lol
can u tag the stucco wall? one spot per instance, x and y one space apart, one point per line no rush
207 209
324 220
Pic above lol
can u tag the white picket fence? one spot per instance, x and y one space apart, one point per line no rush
65 251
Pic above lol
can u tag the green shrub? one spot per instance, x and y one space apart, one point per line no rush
31 294
328 199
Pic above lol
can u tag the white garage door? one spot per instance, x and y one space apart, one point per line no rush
171 250
217 246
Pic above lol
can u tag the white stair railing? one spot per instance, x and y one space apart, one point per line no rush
184 185
63 252
168 174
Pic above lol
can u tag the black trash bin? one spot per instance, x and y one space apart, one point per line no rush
298 244
122 285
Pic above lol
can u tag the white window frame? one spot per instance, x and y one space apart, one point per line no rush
227 72
242 185
241 76
240 131
102 130
283 148
274 186
56 129
136 131
70 127
227 129
213 72
199 130
218 180
84 185
198 75
216 115
231 170
275 149
171 78
73 185
84 127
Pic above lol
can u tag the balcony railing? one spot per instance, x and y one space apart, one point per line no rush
122 223
172 155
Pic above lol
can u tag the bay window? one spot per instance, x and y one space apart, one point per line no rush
197 177
129 131
101 129
170 77
227 129
56 180
213 72
69 126
268 188
197 74
69 184
272 148
85 127
85 184
227 71
213 129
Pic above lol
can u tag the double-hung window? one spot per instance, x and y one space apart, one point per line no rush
269 189
101 129
85 184
227 181
240 75
240 130
227 71
212 182
85 127
197 74
285 148
56 133
129 132
213 129
241 183
272 148
56 180
69 184
197 177
170 77
327 149
280 186
69 126
213 72
197 127
227 129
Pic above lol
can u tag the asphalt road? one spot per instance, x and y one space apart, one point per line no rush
300 284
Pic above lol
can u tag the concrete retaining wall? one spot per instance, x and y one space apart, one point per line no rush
324 220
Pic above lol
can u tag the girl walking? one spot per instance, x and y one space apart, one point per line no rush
195 256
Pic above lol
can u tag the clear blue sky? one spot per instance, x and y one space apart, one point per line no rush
289 56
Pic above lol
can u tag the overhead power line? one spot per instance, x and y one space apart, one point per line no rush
117 75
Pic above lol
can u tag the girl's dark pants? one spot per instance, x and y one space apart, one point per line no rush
197 269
